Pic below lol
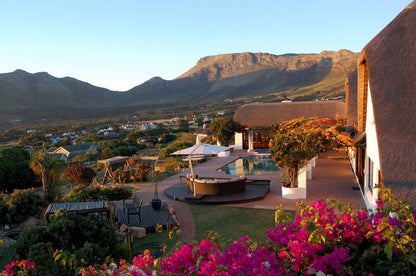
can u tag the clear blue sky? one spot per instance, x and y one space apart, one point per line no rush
119 44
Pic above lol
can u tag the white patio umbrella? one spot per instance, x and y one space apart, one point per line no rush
199 149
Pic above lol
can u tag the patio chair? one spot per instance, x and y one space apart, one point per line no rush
133 209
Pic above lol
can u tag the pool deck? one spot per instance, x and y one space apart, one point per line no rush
332 177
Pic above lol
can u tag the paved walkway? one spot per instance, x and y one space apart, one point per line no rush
332 177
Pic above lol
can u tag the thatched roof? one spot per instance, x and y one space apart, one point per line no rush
351 91
267 114
391 60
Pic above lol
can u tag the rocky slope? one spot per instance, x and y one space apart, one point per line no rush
213 78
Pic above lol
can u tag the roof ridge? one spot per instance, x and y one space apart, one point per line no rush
411 5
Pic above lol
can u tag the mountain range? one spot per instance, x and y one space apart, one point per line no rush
214 78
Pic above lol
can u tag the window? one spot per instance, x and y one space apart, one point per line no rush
370 177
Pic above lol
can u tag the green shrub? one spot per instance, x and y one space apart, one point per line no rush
91 253
172 148
21 204
3 209
95 193
69 241
29 238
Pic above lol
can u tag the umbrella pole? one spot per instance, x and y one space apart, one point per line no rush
190 166
192 173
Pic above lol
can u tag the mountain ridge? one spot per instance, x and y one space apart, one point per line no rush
213 78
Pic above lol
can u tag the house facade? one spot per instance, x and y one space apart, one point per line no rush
74 150
381 107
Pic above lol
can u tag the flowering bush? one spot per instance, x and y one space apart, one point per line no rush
298 141
18 267
323 237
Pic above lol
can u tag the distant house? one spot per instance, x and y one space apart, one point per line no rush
74 150
147 126
129 127
258 118
203 132
193 124
56 139
59 156
381 105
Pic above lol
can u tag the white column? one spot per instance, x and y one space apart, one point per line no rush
302 179
309 170
313 161
250 140
238 140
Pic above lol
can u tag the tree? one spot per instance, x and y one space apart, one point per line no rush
167 138
106 153
121 176
21 204
15 172
49 169
223 129
209 140
182 124
33 138
79 174
299 140
124 150
141 170
172 148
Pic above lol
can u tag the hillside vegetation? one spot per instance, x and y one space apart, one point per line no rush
212 79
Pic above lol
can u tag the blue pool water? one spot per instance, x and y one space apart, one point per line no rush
250 165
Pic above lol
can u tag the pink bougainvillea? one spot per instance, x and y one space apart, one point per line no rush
319 238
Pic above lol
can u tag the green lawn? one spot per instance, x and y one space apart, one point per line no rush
6 254
232 222
154 242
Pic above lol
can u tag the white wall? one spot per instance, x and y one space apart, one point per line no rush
372 153
238 141
352 154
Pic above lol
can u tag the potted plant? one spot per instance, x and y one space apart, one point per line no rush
156 201
298 141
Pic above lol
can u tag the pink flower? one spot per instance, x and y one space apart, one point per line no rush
394 222
332 263
282 254
379 203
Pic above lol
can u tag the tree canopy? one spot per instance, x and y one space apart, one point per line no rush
49 169
79 174
223 129
298 141
15 172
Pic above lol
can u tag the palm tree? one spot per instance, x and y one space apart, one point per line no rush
49 169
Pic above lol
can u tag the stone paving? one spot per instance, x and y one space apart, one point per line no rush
332 177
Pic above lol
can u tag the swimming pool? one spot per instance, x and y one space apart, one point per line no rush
250 165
